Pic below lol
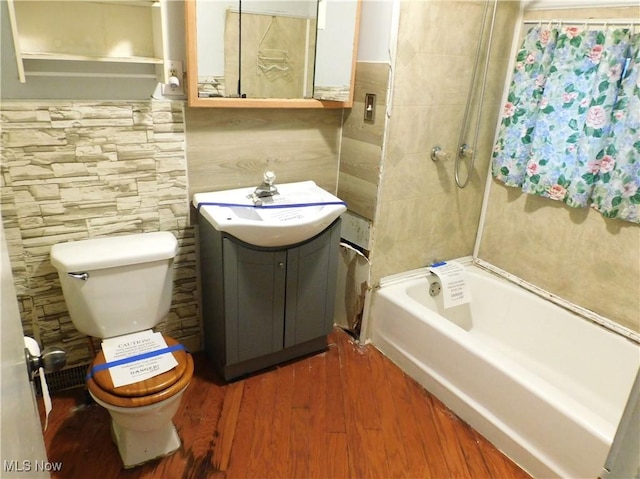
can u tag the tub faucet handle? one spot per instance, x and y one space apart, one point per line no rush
465 151
438 154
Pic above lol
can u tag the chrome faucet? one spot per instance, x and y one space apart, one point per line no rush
266 189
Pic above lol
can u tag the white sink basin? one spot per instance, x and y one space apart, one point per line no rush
298 212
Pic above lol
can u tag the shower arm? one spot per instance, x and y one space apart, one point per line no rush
464 149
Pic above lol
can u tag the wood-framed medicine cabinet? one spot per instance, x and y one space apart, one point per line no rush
271 54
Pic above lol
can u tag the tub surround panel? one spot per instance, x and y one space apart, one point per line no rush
232 148
422 214
576 254
73 170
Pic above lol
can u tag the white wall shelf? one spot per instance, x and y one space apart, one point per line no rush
119 31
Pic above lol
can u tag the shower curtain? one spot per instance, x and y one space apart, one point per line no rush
570 128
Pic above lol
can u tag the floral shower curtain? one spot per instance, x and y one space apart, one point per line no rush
570 129
617 192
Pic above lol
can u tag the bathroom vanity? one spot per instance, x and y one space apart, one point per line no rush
268 270
262 306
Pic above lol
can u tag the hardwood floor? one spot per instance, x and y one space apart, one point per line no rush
344 413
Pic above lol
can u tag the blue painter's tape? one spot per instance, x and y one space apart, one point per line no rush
268 207
137 357
439 263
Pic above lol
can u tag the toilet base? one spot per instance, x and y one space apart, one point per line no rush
139 447
144 433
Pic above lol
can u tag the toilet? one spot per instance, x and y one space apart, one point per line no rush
116 287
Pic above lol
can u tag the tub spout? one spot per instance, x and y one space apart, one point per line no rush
434 285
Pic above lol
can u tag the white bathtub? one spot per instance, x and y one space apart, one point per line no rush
544 385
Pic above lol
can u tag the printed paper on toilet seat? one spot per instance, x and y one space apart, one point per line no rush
132 345
455 289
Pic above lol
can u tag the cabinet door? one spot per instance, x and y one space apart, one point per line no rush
311 288
254 301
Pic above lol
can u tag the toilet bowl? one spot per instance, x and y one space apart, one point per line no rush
142 412
116 287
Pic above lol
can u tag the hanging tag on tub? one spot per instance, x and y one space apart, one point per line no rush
453 278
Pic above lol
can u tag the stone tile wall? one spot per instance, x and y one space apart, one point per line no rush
73 170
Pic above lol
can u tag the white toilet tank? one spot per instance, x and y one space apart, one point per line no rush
116 285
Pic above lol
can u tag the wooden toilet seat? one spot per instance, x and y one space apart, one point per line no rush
142 393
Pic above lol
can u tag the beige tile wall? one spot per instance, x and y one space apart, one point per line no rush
230 148
361 151
75 170
422 216
575 253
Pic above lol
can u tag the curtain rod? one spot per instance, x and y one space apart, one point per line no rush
587 21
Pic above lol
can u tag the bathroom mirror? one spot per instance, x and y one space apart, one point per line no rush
271 53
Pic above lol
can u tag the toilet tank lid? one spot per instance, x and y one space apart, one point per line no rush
113 251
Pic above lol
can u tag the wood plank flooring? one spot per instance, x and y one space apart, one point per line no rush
344 413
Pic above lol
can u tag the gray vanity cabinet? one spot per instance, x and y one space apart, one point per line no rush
263 306
254 298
